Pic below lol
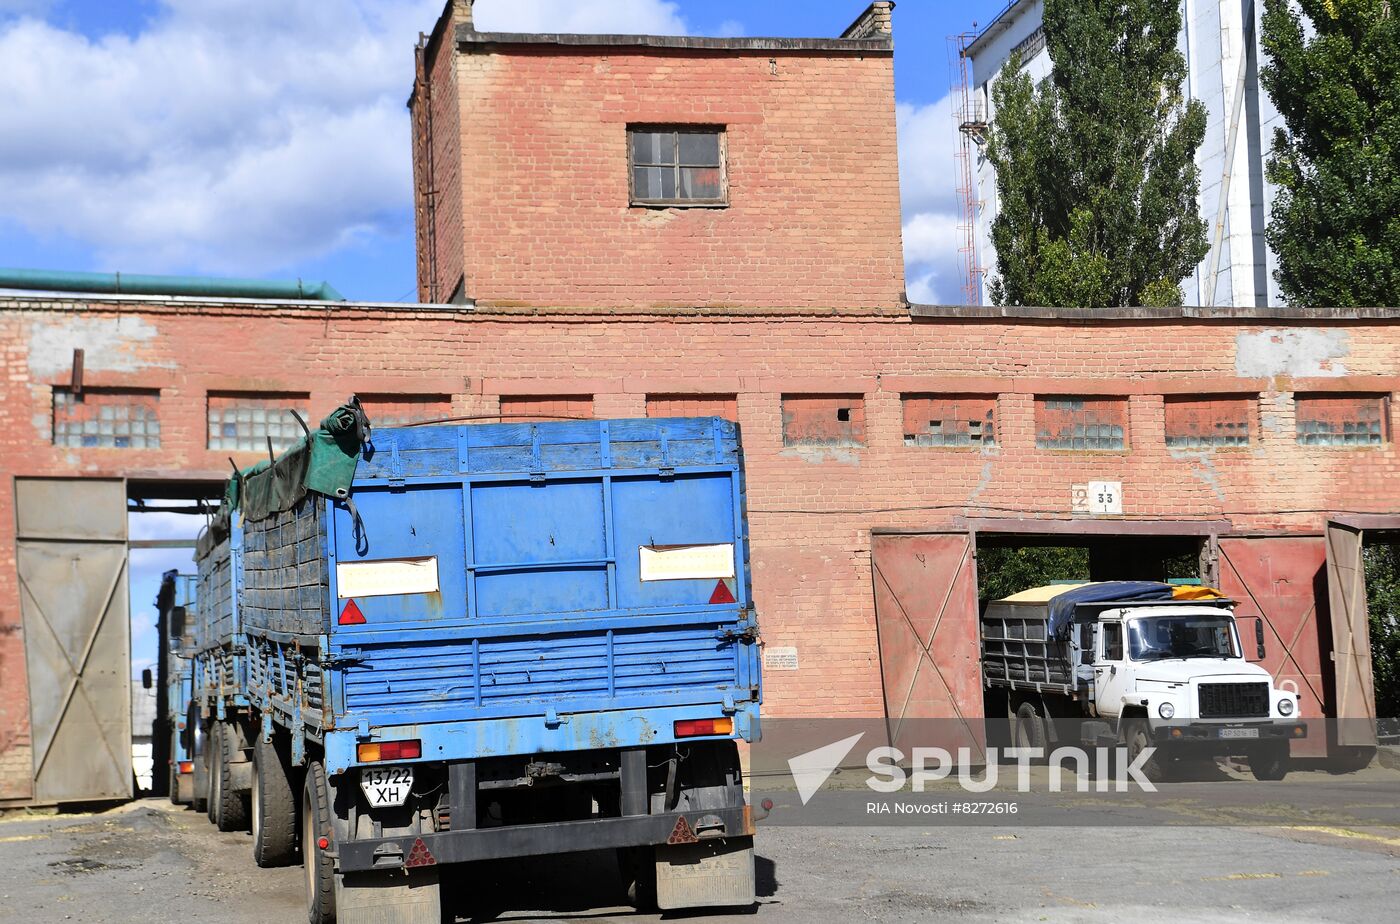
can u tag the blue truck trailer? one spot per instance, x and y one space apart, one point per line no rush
175 604
424 646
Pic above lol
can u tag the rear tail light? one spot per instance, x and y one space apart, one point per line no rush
389 750
187 766
690 728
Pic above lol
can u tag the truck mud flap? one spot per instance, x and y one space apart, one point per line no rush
388 898
714 873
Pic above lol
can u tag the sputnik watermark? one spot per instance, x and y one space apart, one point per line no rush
892 770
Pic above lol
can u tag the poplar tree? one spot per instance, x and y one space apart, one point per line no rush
1335 225
1095 165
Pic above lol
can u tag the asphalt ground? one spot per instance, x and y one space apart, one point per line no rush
150 861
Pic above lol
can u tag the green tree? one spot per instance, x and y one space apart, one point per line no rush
1336 216
1382 563
1095 165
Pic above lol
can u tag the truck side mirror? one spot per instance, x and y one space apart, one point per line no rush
146 679
1259 639
1086 644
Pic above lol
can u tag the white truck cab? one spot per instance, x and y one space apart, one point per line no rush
1152 668
1175 675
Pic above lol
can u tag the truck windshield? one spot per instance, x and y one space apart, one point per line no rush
1152 638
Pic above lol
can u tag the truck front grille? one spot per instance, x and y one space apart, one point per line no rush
1234 700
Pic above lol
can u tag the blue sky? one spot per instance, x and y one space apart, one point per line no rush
269 137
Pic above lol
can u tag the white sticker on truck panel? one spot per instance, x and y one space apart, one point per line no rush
388 577
687 562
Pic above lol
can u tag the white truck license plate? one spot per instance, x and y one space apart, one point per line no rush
386 785
1239 733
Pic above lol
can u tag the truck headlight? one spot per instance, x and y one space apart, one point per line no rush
1166 710
1285 706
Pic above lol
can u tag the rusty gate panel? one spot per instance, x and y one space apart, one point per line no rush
1351 637
1279 579
926 618
72 561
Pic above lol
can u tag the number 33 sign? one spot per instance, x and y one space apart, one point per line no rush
1102 498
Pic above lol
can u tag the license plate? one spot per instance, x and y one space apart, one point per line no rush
1239 733
386 785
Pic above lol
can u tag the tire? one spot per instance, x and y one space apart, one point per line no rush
316 823
228 806
1269 764
213 746
1137 737
174 768
274 805
199 750
1350 760
1030 729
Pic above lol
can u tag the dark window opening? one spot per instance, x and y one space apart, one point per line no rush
677 166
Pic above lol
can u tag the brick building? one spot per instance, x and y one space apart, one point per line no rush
871 427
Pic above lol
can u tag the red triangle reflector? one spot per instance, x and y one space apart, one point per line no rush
351 615
722 593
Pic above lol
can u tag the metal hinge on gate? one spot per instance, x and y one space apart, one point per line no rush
395 465
748 635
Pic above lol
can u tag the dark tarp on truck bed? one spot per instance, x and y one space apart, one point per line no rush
322 462
1062 606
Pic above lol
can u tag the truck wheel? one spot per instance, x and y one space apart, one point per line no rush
199 747
212 747
274 806
315 824
1270 763
1030 728
228 806
1137 737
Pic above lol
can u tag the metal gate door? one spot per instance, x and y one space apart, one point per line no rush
72 558
1279 579
926 618
1351 637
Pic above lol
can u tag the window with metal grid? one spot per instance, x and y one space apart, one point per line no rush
106 418
387 410
1208 421
244 422
1067 422
1344 421
823 420
677 165
951 421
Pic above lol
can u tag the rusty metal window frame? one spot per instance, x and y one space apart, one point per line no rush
677 165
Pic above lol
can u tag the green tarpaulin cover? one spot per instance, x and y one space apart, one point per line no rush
323 462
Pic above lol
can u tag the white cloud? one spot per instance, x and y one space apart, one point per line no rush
730 28
928 145
234 136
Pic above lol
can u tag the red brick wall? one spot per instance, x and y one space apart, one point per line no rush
811 507
540 184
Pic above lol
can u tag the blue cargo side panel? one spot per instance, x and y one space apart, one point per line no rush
539 547
689 510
